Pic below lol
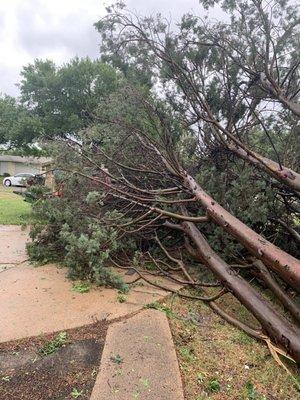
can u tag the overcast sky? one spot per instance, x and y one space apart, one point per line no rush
61 29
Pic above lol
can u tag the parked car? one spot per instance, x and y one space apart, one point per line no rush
17 180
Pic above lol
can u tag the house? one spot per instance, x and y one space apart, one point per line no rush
12 165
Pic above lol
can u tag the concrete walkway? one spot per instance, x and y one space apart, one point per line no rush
139 361
12 244
38 300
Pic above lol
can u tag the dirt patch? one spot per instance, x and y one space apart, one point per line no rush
56 366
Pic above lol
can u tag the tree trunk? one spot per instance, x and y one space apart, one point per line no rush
281 295
280 330
284 175
285 265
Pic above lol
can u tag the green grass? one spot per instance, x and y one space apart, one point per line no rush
52 346
219 362
81 287
13 209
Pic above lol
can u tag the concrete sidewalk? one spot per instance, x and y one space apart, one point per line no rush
12 244
38 300
139 361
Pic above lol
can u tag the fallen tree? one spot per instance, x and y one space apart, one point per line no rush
226 80
136 199
171 186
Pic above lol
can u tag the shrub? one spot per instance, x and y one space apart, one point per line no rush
60 233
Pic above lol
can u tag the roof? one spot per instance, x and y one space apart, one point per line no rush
26 160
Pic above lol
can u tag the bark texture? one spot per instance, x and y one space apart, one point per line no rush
285 265
277 327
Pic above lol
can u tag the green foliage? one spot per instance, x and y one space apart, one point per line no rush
82 244
52 346
144 382
88 253
62 97
187 354
249 197
121 298
200 377
160 307
35 193
251 392
81 287
241 337
76 393
117 359
18 126
213 385
45 245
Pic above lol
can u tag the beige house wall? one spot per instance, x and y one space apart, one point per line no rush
7 167
13 168
49 181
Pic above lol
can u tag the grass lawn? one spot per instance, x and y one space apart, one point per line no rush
13 209
219 362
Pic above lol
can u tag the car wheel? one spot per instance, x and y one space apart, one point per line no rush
7 183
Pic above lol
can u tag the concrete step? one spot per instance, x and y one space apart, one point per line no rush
139 361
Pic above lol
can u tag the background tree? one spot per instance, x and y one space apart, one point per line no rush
63 97
18 127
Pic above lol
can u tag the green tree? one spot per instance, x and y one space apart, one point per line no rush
18 127
184 164
64 98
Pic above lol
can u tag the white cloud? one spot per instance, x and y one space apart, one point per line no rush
55 29
60 30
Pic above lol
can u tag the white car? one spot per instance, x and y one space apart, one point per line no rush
16 180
